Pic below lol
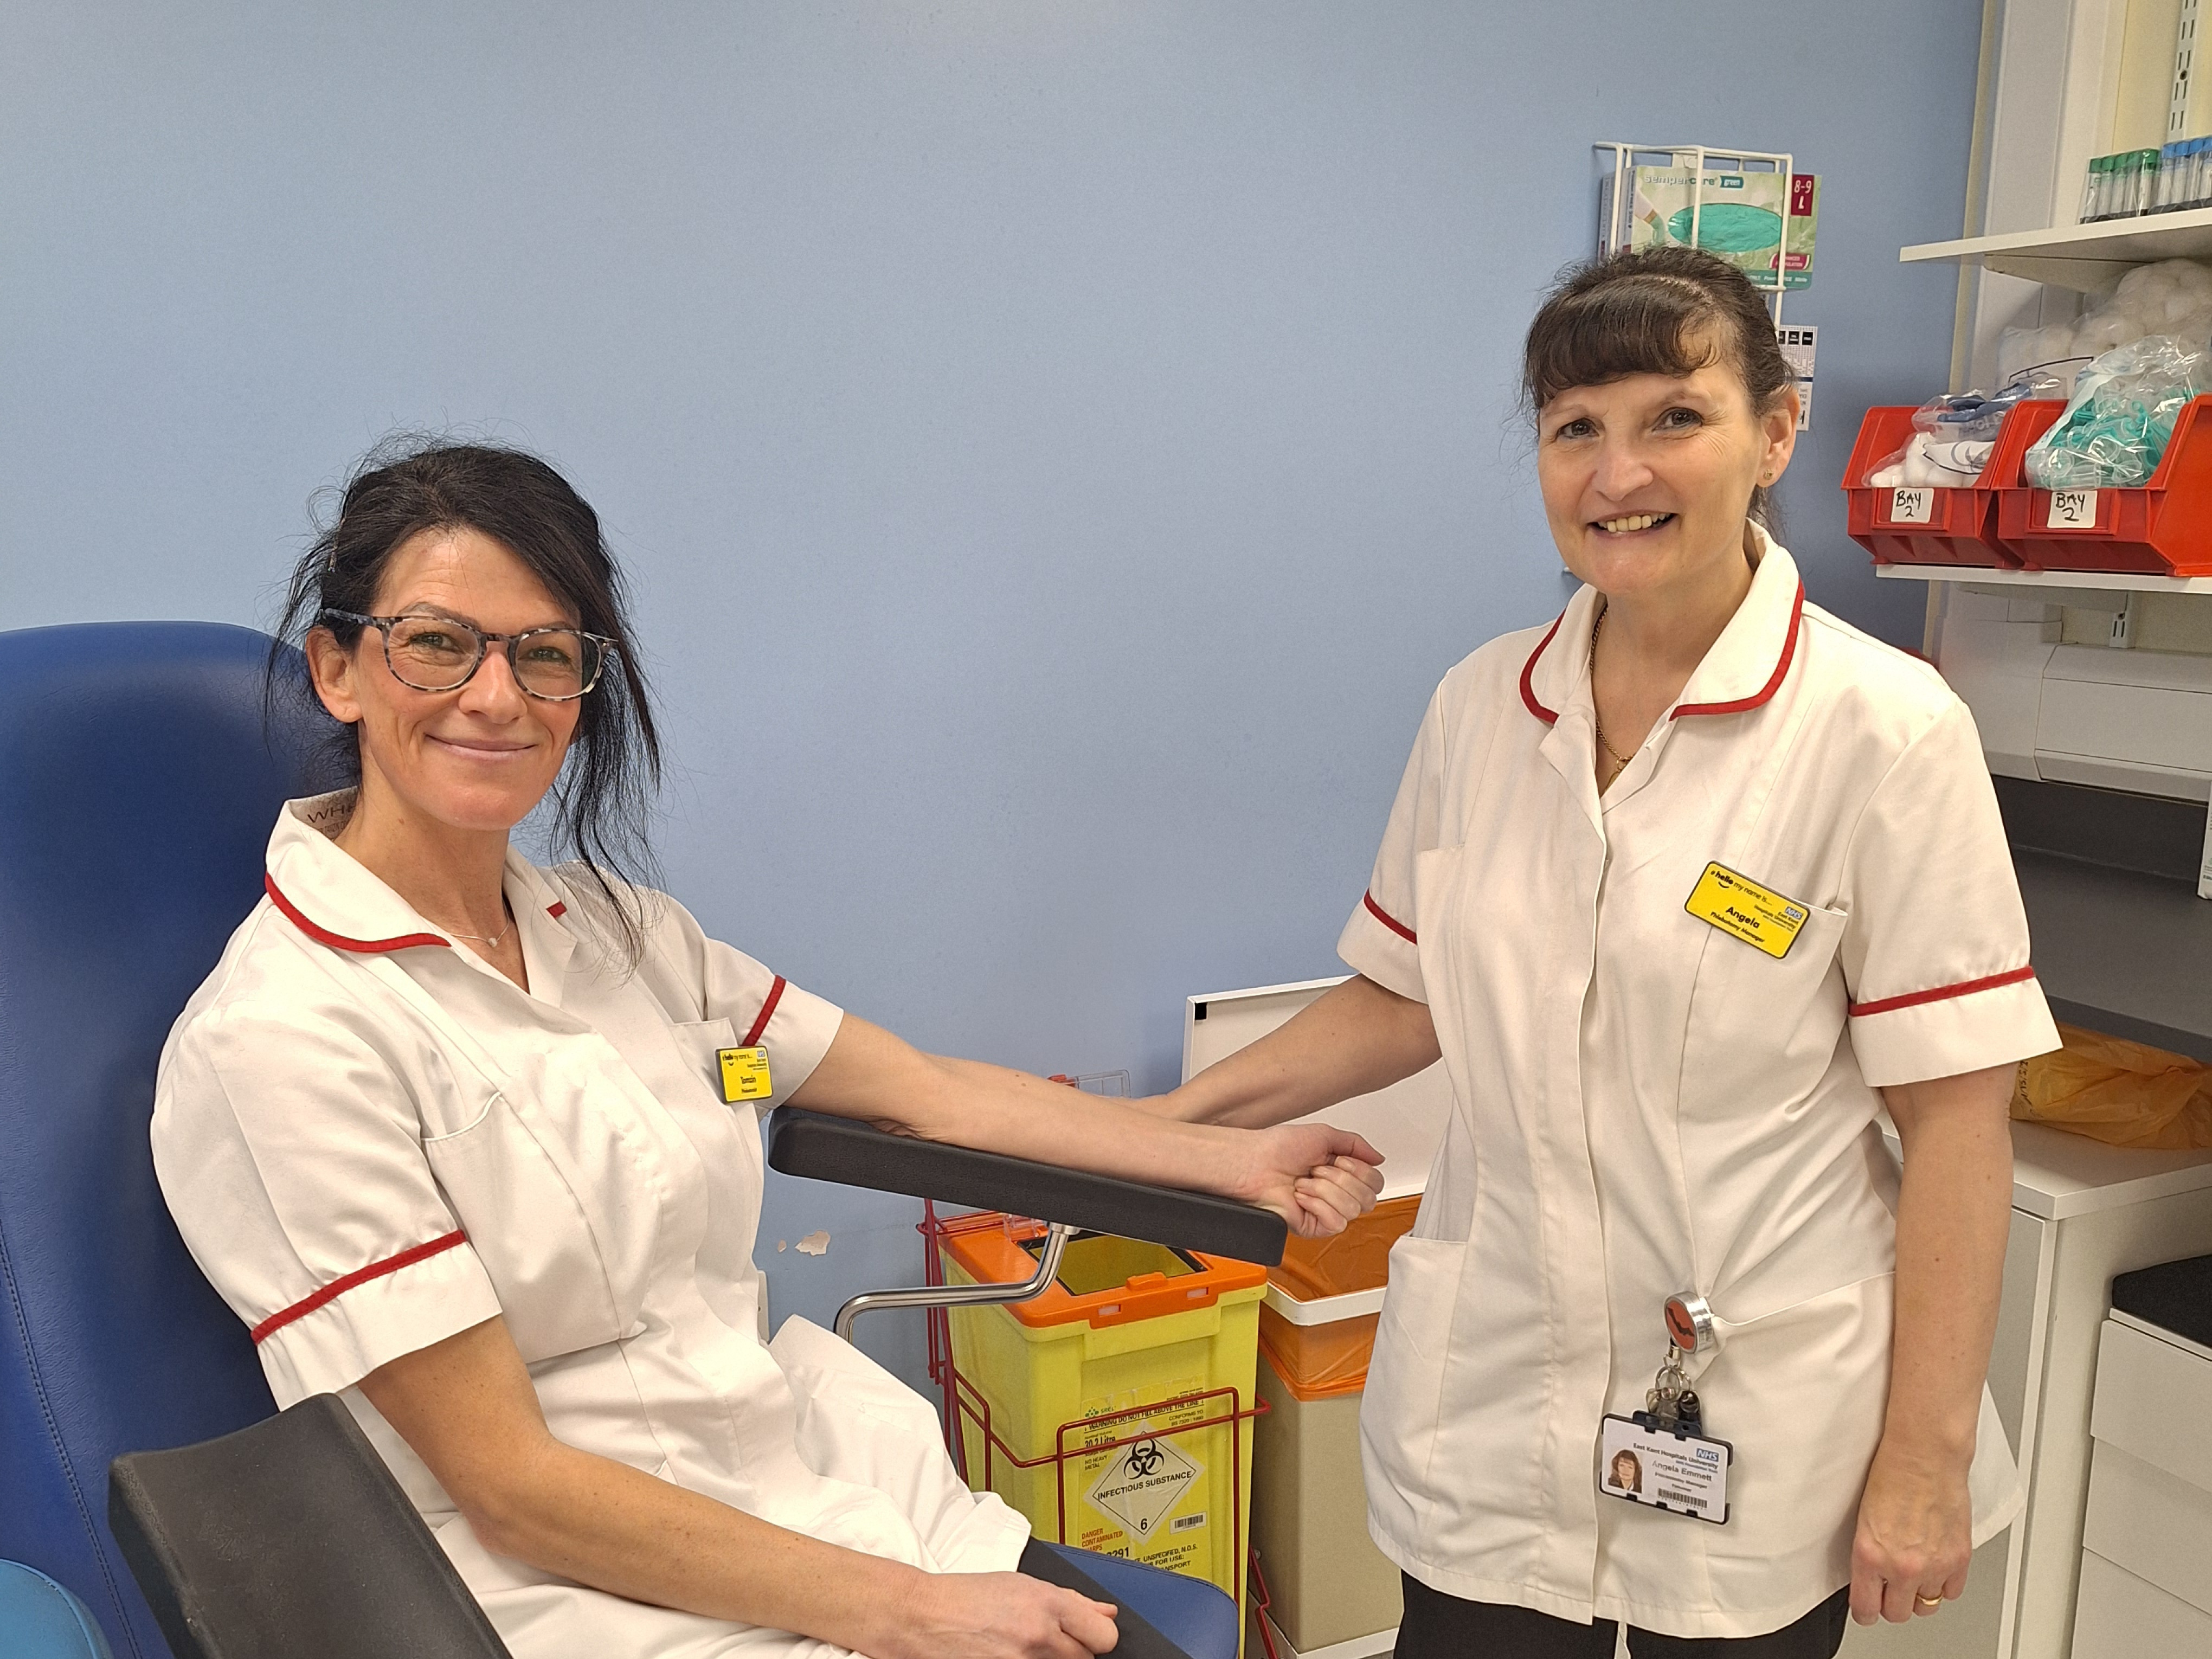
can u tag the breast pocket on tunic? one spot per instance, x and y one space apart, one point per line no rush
1756 1019
700 1043
532 1234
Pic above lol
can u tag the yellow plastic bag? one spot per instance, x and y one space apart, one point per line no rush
2123 1093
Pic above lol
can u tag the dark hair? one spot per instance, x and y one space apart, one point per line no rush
1662 310
604 790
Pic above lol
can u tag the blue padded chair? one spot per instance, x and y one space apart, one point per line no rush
136 791
138 782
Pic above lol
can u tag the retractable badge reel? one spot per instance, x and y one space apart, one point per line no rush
1662 1456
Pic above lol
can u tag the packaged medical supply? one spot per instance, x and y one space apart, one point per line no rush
1952 437
2173 297
2116 426
1740 215
2120 187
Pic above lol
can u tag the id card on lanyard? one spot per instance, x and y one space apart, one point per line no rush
1662 1456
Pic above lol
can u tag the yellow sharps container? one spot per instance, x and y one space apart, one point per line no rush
1114 1411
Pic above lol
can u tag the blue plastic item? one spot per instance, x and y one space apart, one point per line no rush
40 1620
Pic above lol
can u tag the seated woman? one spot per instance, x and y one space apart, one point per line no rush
447 1130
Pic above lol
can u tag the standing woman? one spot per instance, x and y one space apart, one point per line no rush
1685 889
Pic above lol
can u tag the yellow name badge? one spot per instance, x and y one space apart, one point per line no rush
745 1075
1738 905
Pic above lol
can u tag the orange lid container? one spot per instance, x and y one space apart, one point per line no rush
1104 1280
1317 1361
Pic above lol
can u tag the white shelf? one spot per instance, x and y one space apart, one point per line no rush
1984 575
2082 257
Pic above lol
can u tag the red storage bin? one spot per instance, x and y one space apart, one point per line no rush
1922 525
2163 529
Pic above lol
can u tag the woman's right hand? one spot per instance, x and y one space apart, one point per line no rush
1000 1615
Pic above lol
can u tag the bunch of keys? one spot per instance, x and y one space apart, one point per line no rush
1662 1456
1671 1403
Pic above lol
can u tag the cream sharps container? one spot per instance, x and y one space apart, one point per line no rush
1332 1595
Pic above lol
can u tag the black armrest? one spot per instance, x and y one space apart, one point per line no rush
289 1537
853 1154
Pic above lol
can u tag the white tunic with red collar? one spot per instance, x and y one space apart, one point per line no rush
371 1141
1646 1105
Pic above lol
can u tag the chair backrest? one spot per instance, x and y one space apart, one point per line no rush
286 1538
138 787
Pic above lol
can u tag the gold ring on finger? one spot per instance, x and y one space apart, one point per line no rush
1929 1600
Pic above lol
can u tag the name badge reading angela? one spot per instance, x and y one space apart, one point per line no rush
745 1075
1740 907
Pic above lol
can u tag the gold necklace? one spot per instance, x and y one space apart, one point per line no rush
1619 761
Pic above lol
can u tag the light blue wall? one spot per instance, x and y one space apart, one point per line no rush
1058 446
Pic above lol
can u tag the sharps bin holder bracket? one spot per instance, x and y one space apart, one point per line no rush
969 1403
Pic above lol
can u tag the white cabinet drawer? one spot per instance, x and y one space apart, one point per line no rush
2154 1524
2118 1615
2153 1400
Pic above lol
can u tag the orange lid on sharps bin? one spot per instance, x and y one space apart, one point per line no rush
1104 1280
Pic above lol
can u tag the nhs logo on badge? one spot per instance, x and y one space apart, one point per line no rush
1707 1454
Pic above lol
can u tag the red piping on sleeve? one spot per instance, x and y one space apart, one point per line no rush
1389 920
323 936
768 1010
1549 716
1914 998
338 1287
1774 681
558 910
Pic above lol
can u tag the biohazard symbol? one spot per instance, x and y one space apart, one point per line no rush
1142 1482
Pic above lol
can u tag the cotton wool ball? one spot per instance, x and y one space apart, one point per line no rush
2097 335
2134 283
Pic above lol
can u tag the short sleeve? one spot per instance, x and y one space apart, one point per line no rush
1382 939
763 1008
1935 950
290 1152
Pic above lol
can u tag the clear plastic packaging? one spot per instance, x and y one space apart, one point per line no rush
2117 424
1952 437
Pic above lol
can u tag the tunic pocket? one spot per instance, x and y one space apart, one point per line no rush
532 1236
1398 1417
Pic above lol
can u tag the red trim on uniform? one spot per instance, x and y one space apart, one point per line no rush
1389 920
556 910
1914 998
768 1008
1774 681
338 1287
1549 716
339 941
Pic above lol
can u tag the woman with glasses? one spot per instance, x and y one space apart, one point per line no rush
471 1142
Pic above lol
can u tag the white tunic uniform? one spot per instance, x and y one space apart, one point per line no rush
1645 1104
372 1140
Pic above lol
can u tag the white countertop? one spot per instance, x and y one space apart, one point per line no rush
2056 1174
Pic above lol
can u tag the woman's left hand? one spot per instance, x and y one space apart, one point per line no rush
1316 1178
1915 1536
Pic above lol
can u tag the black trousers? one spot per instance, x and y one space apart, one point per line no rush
1440 1626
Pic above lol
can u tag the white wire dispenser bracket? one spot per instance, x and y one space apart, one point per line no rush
1618 195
